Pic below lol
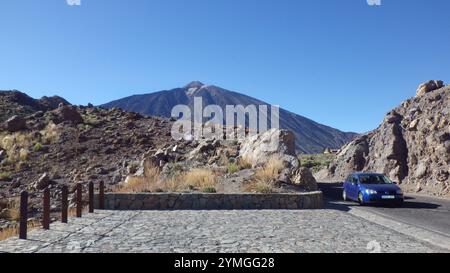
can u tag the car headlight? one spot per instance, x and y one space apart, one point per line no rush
371 191
399 192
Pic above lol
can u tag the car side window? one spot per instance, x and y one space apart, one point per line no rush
354 179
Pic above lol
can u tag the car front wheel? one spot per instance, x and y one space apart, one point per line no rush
360 199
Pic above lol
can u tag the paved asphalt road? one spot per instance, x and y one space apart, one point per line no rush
429 213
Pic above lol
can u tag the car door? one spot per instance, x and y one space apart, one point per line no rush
348 186
353 188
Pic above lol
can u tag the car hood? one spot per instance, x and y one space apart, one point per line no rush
381 187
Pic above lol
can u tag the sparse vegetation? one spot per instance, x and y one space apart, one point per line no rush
270 171
244 163
5 176
266 177
199 179
316 162
233 168
11 211
264 187
209 190
152 181
23 154
37 147
50 134
14 231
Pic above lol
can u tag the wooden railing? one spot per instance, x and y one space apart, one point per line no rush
23 223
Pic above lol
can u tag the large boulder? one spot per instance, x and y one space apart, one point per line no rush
15 124
68 113
258 149
42 183
429 87
304 177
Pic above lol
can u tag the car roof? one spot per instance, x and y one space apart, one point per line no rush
365 173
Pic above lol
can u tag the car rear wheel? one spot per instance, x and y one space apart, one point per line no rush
344 195
360 199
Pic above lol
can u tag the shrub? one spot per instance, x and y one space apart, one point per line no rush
316 162
37 147
233 168
209 190
5 176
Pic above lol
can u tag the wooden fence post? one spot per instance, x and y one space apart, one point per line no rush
23 215
79 200
46 210
91 197
64 204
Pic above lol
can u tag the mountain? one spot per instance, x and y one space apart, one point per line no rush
13 102
411 146
311 137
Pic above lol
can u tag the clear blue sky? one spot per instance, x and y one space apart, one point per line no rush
339 62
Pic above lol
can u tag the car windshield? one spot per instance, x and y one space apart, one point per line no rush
374 179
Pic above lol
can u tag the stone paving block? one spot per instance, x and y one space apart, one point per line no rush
229 231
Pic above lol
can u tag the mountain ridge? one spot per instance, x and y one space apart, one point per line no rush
311 136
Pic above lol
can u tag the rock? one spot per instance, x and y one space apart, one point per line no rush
259 148
429 87
413 125
411 146
304 177
15 124
68 113
393 117
43 182
442 175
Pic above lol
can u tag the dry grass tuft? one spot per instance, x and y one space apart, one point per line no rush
136 184
11 210
199 179
14 231
50 134
271 170
196 179
147 183
266 177
14 210
259 187
244 163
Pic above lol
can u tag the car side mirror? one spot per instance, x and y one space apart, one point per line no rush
394 182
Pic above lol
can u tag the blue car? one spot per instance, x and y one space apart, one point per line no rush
369 188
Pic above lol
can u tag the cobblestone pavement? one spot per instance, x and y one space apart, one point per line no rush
288 231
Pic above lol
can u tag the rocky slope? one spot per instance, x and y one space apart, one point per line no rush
411 146
50 143
311 137
16 103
